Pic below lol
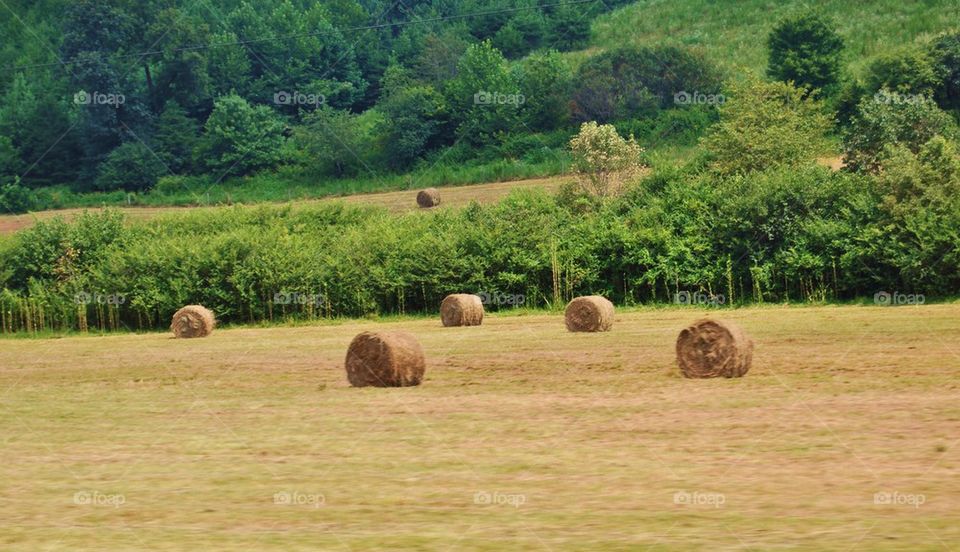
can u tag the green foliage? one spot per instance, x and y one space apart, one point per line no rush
132 167
484 96
175 138
917 233
413 121
909 71
891 120
15 198
333 142
805 50
781 234
946 52
765 125
240 139
631 82
546 82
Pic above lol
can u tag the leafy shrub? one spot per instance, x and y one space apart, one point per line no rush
413 122
633 82
604 161
909 71
132 167
946 53
333 142
805 50
765 125
882 122
240 139
15 198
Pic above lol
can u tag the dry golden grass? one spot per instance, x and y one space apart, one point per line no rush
580 441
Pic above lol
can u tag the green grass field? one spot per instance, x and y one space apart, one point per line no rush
734 33
522 437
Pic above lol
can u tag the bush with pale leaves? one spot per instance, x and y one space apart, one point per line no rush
604 161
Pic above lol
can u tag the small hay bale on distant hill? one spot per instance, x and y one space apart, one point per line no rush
461 309
714 348
193 321
429 197
591 313
385 359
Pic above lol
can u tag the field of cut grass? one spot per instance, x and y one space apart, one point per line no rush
396 202
734 33
844 436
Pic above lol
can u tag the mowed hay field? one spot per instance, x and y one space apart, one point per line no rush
522 437
396 202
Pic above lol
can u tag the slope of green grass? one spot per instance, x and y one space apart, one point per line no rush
733 33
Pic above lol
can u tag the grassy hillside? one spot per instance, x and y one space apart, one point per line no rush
734 33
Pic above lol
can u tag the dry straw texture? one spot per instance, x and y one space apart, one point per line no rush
193 321
461 309
714 348
592 313
385 359
429 197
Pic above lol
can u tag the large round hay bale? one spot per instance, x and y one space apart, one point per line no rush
385 359
193 321
461 309
714 348
591 313
429 197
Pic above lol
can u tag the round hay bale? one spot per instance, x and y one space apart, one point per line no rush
591 313
385 359
429 197
714 348
193 321
461 309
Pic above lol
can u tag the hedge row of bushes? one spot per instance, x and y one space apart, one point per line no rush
782 235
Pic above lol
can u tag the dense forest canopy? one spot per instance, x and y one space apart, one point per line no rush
124 92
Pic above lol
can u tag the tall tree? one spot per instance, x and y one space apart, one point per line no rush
805 50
